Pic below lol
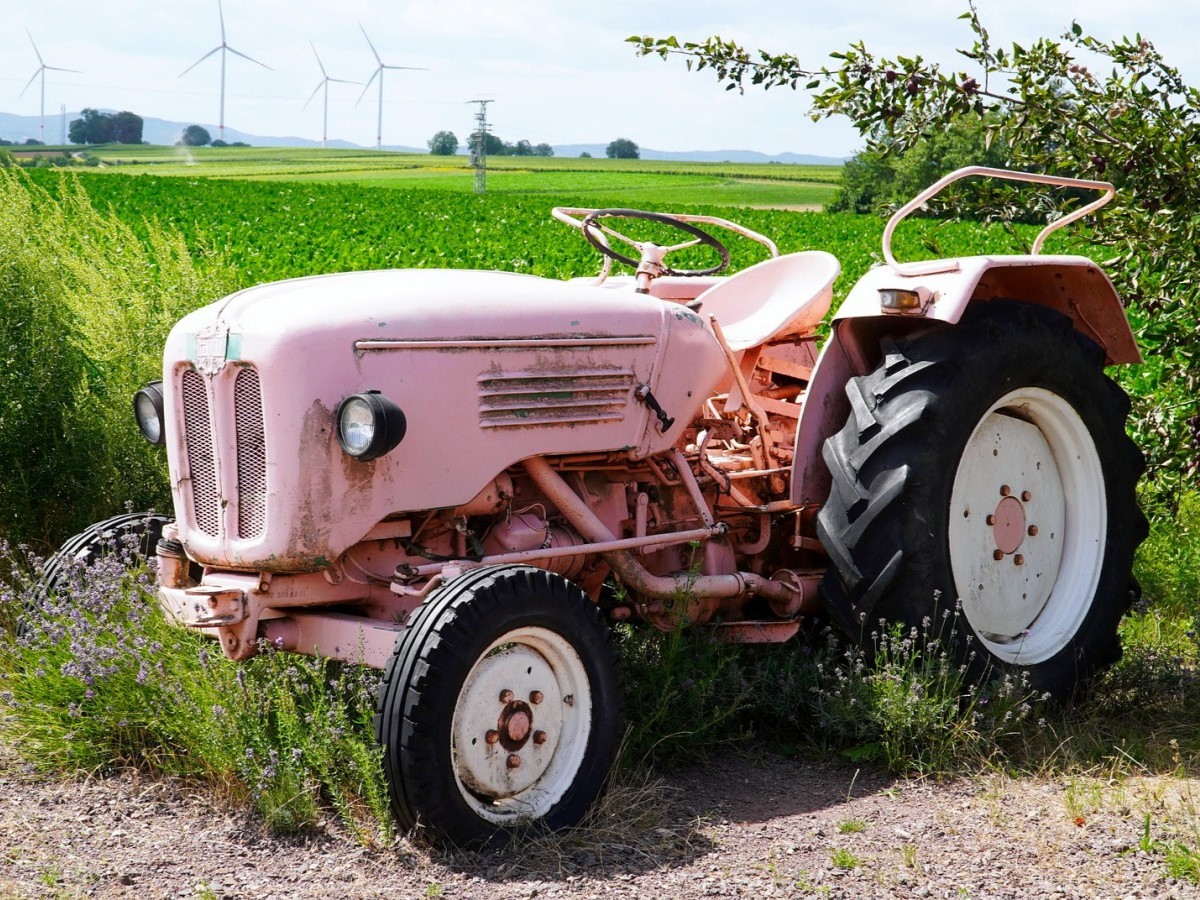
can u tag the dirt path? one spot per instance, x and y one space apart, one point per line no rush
755 826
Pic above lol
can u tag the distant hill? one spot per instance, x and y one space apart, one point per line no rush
160 131
734 156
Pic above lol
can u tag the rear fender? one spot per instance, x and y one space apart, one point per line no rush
1072 285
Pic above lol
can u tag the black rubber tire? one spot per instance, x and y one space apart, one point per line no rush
101 539
427 673
87 547
886 524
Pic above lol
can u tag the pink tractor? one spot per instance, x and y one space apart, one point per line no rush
461 477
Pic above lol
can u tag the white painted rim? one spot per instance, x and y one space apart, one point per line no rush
1028 604
522 661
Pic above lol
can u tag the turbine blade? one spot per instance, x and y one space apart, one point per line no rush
57 69
320 85
251 58
221 13
200 60
344 81
320 64
36 52
31 81
369 44
367 86
410 68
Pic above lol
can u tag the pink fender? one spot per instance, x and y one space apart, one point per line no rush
1072 285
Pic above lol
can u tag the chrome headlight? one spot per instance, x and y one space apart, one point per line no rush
369 425
148 410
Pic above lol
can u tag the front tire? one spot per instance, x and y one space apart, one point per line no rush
500 707
986 465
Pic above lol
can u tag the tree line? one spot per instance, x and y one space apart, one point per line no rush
445 143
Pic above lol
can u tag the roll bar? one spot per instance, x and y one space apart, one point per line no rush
926 268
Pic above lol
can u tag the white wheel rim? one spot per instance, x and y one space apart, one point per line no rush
1026 563
521 726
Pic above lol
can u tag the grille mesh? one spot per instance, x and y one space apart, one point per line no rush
251 454
198 438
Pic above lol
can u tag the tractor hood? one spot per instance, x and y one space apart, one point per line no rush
488 367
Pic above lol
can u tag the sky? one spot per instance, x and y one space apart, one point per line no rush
557 71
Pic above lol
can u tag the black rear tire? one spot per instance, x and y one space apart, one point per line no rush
943 506
500 707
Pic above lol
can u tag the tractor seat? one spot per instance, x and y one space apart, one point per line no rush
787 293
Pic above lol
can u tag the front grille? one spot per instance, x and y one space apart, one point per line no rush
251 454
244 477
198 439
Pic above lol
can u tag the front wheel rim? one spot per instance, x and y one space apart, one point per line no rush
521 726
1028 521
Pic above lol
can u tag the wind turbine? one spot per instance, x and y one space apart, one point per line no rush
41 70
324 83
378 73
223 48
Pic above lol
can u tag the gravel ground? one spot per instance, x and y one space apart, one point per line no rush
753 825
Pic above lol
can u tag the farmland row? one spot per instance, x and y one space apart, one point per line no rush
276 160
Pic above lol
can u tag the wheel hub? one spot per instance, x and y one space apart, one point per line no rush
514 725
1008 524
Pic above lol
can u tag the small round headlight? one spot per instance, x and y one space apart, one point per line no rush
369 425
148 410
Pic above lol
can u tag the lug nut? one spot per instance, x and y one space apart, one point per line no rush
1005 490
514 761
506 696
997 554
539 737
492 737
991 520
1033 531
1026 496
536 697
1019 560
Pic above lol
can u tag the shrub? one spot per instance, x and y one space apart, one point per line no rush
97 679
84 308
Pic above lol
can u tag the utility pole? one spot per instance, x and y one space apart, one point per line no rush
479 148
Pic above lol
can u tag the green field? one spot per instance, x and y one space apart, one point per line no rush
273 230
642 182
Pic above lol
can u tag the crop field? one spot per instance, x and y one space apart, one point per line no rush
639 181
270 230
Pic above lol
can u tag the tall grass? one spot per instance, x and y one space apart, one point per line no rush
85 305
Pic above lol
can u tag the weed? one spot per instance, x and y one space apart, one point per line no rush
908 855
1183 863
685 693
844 859
852 826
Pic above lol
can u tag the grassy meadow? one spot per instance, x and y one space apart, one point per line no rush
96 266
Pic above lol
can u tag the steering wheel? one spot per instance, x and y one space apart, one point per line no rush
593 230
